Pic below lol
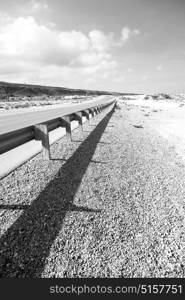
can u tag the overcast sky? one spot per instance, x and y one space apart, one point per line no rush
117 45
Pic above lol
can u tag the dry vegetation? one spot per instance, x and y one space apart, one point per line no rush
15 96
168 97
38 101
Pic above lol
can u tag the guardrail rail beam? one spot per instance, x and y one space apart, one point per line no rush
24 136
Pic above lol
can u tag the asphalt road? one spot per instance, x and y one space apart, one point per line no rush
19 120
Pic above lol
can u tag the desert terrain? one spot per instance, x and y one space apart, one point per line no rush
108 204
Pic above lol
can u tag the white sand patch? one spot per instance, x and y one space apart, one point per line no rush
159 104
171 125
169 119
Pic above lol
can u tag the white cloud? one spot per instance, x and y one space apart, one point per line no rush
159 68
100 41
27 48
40 43
144 78
136 32
127 33
36 6
129 70
51 24
40 53
119 79
4 19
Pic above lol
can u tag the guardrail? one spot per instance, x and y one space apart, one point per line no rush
19 145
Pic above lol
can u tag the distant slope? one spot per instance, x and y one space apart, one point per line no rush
15 89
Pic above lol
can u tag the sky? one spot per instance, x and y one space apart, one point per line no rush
135 46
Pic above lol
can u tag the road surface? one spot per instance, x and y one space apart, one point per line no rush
11 122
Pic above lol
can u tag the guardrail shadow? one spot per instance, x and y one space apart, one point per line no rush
26 244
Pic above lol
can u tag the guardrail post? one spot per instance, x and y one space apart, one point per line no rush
96 110
91 111
41 134
67 124
86 114
78 117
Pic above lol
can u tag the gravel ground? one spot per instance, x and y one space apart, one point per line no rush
109 204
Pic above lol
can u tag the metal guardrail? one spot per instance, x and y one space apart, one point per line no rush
40 131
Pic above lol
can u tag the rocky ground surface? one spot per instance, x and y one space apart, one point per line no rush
109 204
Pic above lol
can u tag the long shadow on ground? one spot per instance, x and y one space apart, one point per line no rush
26 244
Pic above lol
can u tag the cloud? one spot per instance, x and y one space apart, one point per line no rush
36 6
4 18
130 70
40 53
144 78
119 79
159 68
101 42
42 46
127 33
40 43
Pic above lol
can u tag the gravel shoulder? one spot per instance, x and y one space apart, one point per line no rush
109 204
